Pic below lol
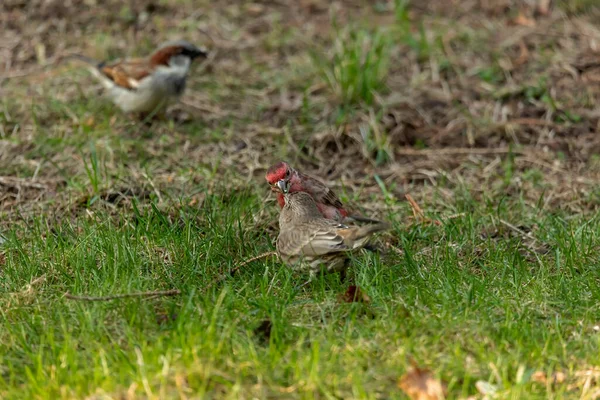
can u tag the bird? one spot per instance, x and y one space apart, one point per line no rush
329 205
308 242
146 85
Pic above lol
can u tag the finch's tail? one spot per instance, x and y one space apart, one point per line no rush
358 237
361 219
368 230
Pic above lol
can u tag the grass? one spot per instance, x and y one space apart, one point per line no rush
468 304
358 67
495 284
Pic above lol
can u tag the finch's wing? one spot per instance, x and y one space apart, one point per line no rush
127 74
321 192
312 239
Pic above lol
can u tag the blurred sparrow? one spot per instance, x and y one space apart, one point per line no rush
282 174
308 242
145 85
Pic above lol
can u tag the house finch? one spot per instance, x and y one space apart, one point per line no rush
308 242
326 200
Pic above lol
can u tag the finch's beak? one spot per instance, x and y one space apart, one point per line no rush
283 185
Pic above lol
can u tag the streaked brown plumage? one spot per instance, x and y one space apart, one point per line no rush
309 242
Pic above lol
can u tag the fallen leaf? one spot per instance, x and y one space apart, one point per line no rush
523 20
420 384
541 377
417 211
354 294
559 377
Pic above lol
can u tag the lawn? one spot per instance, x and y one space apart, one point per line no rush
483 112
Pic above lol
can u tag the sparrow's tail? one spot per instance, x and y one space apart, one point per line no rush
85 59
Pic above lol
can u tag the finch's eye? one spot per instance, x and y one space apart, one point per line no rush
287 173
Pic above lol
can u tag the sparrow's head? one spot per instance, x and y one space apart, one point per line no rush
177 52
280 177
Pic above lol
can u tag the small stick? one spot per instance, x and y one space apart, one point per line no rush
248 261
516 229
454 216
16 182
456 151
173 292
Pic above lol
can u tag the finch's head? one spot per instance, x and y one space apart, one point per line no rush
279 176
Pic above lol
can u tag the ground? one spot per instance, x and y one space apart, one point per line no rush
483 112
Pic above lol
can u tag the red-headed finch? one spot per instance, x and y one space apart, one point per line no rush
308 242
329 205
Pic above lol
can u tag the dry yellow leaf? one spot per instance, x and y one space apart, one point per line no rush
541 377
523 20
420 384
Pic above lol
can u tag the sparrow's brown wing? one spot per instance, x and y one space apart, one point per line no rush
128 74
320 192
312 239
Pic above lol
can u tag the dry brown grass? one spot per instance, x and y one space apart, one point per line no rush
501 102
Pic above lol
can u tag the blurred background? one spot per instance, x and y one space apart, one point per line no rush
497 92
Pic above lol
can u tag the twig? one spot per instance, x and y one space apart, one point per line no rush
173 292
454 216
518 230
456 151
248 261
243 264
15 182
528 121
